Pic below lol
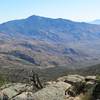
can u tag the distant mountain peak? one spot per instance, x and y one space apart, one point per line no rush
38 17
34 16
50 29
47 18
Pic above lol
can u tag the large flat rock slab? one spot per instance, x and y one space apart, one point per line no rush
53 92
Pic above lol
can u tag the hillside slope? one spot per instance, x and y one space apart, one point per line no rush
39 42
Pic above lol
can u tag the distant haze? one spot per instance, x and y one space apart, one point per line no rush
96 22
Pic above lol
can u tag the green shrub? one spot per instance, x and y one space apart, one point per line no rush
2 80
98 78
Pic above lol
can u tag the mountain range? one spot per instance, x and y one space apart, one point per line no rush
40 42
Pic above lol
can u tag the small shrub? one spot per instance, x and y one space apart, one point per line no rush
98 78
2 80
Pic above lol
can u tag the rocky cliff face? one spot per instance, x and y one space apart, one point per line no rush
71 87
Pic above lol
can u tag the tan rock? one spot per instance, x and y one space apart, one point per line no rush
71 78
53 92
24 96
90 77
14 89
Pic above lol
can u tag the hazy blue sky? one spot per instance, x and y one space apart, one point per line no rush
78 10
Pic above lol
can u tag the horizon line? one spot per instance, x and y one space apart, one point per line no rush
78 20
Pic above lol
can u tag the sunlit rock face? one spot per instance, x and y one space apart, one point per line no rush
60 89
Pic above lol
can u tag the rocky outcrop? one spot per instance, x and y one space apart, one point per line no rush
71 78
71 87
13 90
24 96
53 92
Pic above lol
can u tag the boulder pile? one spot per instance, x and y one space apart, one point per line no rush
70 87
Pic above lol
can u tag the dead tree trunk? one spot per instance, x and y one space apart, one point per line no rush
34 78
